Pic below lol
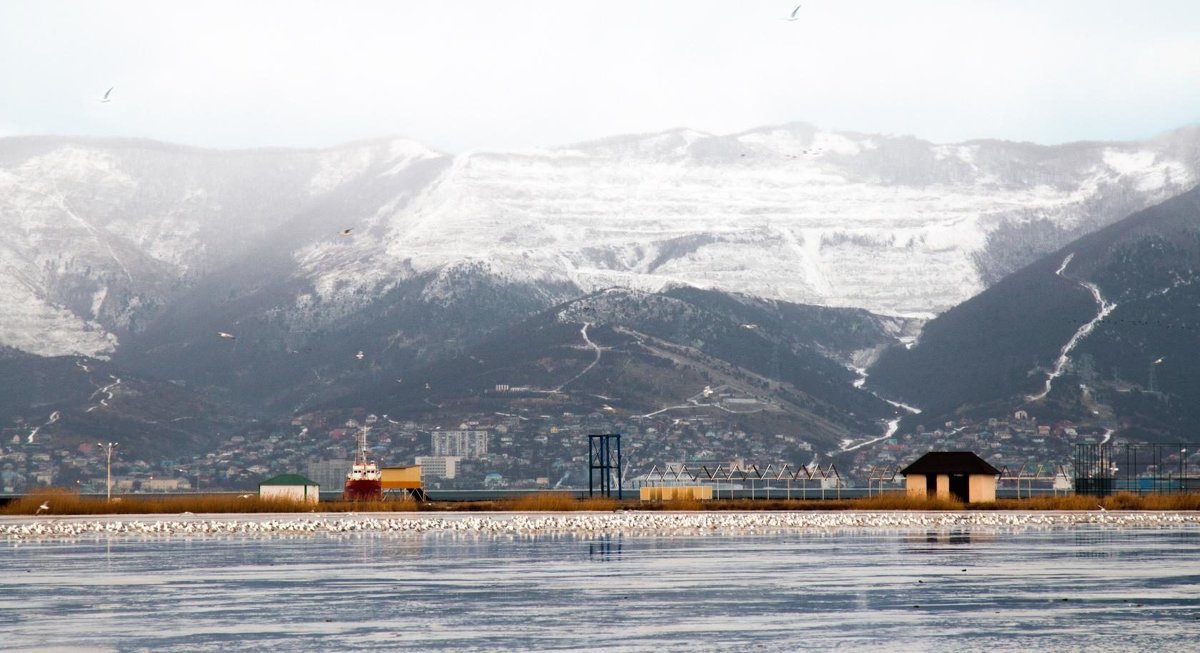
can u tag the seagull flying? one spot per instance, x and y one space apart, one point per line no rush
793 16
227 336
359 355
1159 360
345 232
45 506
1102 508
106 94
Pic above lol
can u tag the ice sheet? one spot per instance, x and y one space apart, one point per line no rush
1090 587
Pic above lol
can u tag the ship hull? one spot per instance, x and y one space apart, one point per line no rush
363 490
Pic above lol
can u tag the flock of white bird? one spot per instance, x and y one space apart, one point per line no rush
577 523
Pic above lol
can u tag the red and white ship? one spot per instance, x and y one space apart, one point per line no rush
365 481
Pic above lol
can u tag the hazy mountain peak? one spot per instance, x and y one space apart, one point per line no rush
109 233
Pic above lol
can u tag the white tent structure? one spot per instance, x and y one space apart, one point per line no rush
290 487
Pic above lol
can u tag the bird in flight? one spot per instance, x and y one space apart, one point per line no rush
106 94
227 336
793 16
345 232
45 506
359 355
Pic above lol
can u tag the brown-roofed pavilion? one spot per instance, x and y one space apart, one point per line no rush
945 474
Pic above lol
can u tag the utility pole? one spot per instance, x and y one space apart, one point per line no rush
108 449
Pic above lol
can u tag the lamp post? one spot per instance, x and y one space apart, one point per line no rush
108 449
1182 468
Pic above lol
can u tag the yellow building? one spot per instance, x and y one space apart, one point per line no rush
406 479
676 492
945 474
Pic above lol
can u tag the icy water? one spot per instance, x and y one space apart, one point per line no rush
1083 588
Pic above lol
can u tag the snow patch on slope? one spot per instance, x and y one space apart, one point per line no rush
34 326
1148 168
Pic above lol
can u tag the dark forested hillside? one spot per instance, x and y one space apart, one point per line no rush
998 349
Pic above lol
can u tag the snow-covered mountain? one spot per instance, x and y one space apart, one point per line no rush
103 236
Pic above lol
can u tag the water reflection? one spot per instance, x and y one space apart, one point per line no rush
1094 544
957 590
606 548
920 542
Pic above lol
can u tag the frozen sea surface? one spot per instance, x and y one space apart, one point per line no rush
1085 587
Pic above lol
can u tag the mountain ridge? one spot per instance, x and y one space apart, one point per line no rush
1001 347
786 212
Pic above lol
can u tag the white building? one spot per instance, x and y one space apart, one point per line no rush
463 444
438 466
165 485
290 487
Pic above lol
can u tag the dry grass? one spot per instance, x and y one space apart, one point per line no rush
600 503
901 501
894 501
555 502
690 504
66 502
386 505
1118 501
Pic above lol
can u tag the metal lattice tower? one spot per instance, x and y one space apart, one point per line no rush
600 459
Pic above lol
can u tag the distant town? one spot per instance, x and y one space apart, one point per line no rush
517 451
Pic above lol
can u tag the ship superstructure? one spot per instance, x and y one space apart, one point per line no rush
364 482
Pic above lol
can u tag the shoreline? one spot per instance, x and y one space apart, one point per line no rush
656 523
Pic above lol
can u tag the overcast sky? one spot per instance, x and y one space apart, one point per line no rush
465 76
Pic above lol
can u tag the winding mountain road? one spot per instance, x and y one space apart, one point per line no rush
1105 308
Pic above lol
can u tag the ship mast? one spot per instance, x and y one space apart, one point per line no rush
360 458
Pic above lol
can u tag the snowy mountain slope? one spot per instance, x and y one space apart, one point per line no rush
104 236
100 235
895 225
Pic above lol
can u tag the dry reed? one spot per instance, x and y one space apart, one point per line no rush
66 502
555 502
